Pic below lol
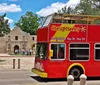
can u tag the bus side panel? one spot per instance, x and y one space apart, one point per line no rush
93 33
42 34
93 64
57 69
89 65
93 37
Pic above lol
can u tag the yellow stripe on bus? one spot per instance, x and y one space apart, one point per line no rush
75 64
62 33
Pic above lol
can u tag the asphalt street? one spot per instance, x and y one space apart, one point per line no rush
16 77
24 76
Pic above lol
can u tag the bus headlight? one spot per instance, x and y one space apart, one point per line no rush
39 66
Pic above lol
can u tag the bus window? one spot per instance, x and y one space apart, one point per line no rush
58 51
97 51
79 51
54 48
41 51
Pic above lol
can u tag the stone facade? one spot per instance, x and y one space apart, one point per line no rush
17 39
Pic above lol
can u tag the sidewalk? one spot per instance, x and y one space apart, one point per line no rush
2 54
7 63
7 55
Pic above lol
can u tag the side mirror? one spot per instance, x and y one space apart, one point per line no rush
50 54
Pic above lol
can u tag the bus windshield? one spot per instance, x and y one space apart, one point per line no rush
41 51
45 21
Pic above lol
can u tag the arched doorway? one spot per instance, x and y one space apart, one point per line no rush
16 47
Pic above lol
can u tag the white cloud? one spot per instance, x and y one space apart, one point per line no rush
51 9
57 6
9 20
4 7
73 3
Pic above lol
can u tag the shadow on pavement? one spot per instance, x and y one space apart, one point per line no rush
93 78
39 79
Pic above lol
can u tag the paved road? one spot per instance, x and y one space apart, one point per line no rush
26 77
16 77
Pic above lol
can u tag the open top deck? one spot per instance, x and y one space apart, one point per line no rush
71 28
69 19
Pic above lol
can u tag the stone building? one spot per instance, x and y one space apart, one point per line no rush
17 39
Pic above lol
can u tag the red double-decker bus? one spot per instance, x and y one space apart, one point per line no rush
68 44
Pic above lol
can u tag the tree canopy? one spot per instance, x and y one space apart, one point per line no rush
66 10
85 7
28 22
88 7
4 26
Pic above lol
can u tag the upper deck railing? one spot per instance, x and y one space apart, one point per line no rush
70 19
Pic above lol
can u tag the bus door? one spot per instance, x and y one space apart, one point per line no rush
57 60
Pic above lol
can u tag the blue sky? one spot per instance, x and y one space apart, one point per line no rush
16 8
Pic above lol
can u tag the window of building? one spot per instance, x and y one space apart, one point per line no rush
16 37
79 51
58 51
97 51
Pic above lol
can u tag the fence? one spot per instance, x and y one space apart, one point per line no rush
70 79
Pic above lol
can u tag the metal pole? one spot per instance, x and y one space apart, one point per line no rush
13 63
18 63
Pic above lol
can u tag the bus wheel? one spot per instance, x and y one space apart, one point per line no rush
76 72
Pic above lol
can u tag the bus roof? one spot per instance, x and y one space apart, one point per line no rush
70 19
88 18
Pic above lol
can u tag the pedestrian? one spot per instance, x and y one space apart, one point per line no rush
30 52
16 51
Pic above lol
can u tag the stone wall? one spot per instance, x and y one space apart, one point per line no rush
2 45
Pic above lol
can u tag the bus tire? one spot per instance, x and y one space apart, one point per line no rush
76 72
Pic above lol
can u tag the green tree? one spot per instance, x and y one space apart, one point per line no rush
66 10
84 7
28 22
96 5
4 26
88 7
